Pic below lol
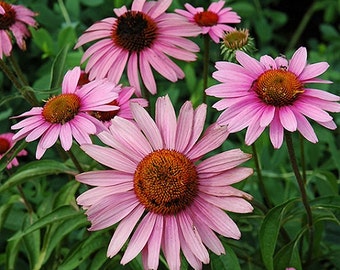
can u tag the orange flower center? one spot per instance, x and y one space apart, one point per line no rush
134 31
278 87
8 18
4 145
61 109
106 116
206 18
166 182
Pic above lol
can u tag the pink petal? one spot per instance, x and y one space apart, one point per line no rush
166 121
198 125
147 125
232 204
184 126
223 161
216 219
104 178
139 238
276 132
298 61
189 255
192 237
66 136
171 243
154 243
228 177
70 80
123 231
213 137
109 157
287 118
313 70
209 238
251 64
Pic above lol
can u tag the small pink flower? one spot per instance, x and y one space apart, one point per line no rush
123 102
65 116
213 21
273 92
156 182
6 143
140 39
14 20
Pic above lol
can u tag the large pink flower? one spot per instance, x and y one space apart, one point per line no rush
141 39
156 183
213 21
14 20
65 116
275 93
6 143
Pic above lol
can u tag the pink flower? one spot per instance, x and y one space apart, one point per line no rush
14 20
141 39
156 183
213 21
123 102
273 92
65 116
6 143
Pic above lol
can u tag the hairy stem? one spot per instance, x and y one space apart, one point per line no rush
262 187
302 187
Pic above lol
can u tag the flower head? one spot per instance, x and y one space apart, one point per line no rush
273 92
123 102
6 143
213 21
14 20
141 39
157 183
236 40
65 115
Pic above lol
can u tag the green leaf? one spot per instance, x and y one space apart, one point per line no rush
332 202
5 208
228 260
58 67
269 231
93 3
66 194
67 36
91 244
42 38
12 250
59 230
34 170
288 256
32 241
60 214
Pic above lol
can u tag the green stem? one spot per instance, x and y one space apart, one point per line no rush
302 154
10 75
26 202
303 192
17 69
75 161
205 65
262 186
24 90
64 12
